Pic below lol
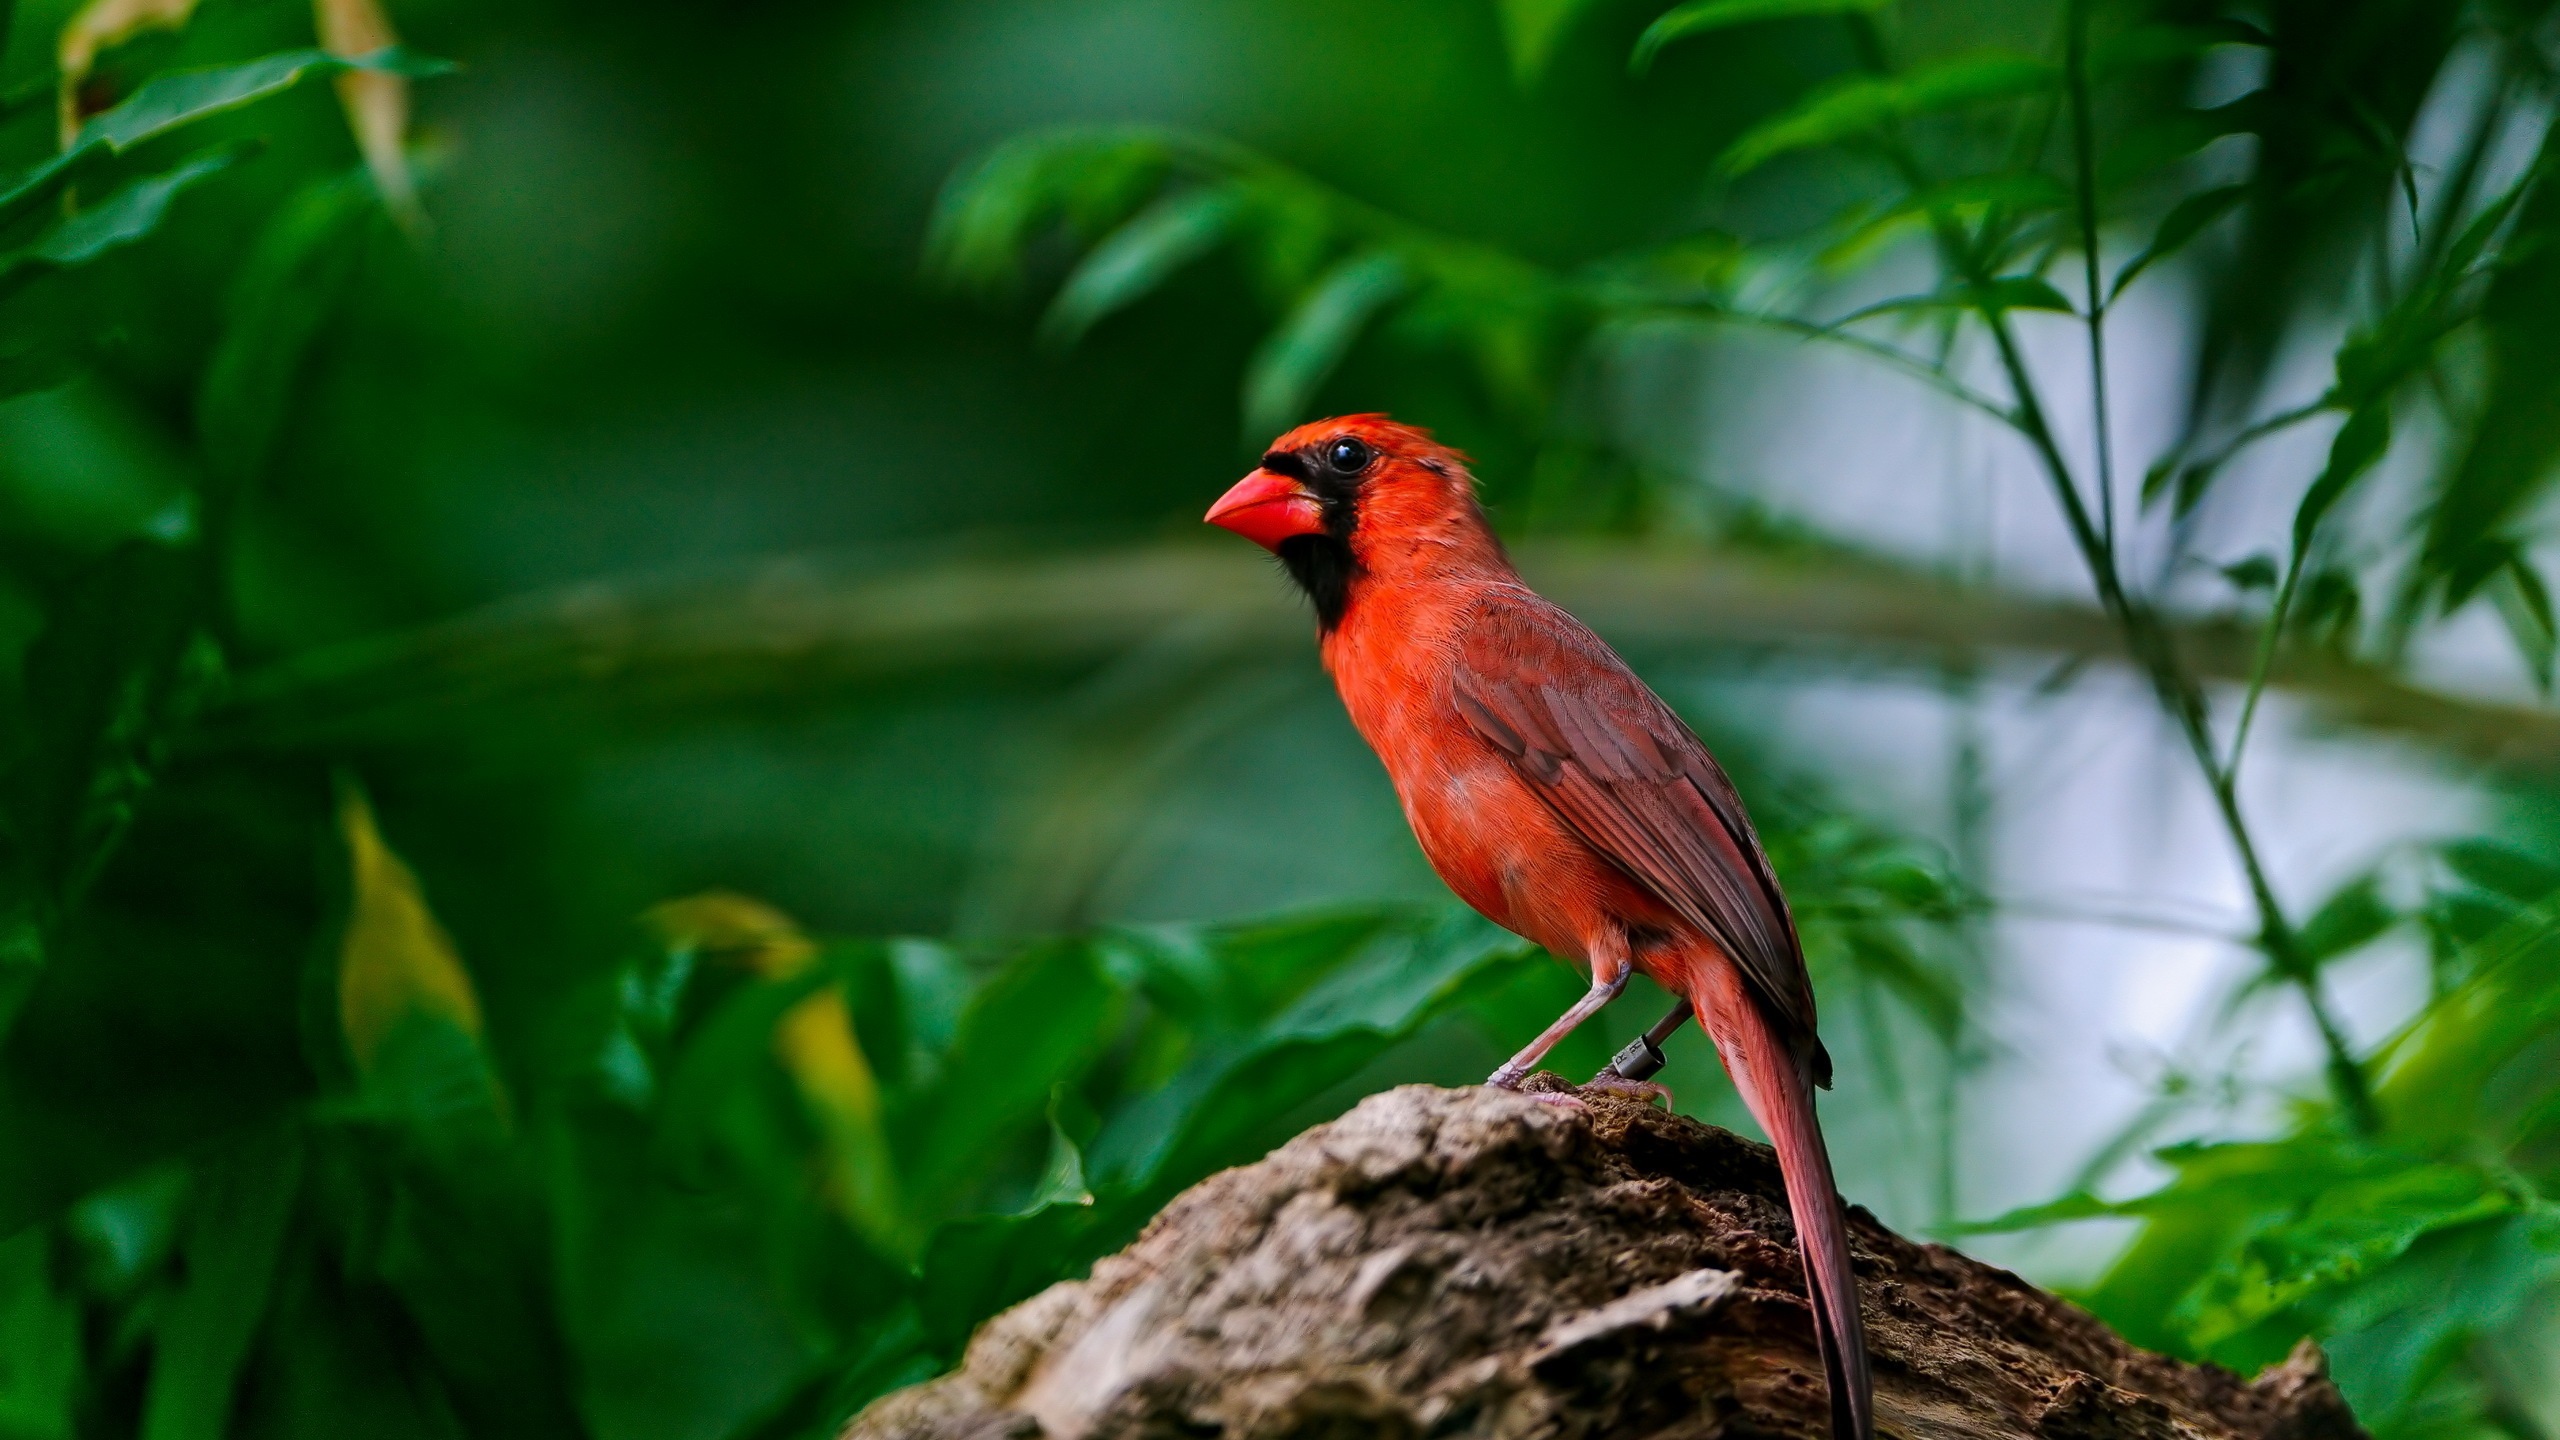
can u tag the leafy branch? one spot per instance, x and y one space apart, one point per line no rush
1970 257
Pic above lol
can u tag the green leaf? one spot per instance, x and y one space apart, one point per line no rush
2019 292
2330 608
1863 105
123 217
2502 869
2257 572
990 211
2351 1230
932 986
166 102
40 1342
2184 222
2524 603
2483 560
976 1266
2192 483
1220 1106
1698 17
2405 1325
2137 46
2248 1232
979 1264
2348 920
2020 192
2078 1205
278 304
170 101
1062 1178
2163 474
1138 257
1239 1108
433 1078
40 362
100 679
1040 1022
1399 979
2008 292
233 1242
1311 342
2451 1075
2358 444
2015 193
1230 979
730 1051
2148 146
1531 30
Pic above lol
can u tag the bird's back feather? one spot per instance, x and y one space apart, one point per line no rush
1633 781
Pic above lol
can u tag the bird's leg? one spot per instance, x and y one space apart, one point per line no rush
1517 1068
1632 1072
1642 1058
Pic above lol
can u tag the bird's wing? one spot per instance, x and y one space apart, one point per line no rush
1620 769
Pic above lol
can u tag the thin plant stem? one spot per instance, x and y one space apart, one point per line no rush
2272 635
2085 161
2269 637
2154 650
1970 794
2429 244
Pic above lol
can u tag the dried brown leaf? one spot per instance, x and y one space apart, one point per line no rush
376 101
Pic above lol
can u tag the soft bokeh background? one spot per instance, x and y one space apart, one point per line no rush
634 794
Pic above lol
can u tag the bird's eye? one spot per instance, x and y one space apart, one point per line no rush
1348 456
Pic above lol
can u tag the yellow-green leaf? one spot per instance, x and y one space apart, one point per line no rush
815 1043
396 962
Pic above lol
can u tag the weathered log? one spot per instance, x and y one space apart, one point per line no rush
1474 1263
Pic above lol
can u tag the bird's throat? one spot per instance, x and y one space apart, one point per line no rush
1324 567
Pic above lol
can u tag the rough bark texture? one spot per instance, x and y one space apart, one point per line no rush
1474 1263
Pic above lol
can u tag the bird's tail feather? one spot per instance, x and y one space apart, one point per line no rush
1777 1084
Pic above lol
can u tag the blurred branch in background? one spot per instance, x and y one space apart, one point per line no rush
798 628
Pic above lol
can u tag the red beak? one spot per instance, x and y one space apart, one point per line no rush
1267 508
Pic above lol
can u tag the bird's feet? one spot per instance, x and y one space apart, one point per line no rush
1514 1078
1610 1082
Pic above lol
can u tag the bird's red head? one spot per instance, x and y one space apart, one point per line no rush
1356 496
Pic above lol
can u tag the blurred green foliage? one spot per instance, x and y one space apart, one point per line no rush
339 1101
410 1024
2402 1219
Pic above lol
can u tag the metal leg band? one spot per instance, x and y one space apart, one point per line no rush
1639 1061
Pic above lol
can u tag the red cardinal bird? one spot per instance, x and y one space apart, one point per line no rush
1556 794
